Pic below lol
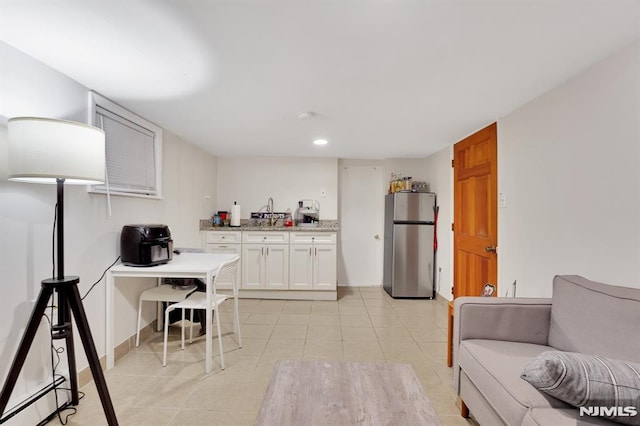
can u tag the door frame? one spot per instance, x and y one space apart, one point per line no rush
379 195
492 131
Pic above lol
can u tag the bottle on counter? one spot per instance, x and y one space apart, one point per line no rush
288 220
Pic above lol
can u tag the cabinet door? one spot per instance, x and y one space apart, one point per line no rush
324 267
225 282
253 266
277 266
301 267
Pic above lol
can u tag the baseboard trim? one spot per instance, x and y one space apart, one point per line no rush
85 376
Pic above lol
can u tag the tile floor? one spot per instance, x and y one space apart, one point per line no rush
365 324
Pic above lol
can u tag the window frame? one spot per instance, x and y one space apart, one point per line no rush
97 100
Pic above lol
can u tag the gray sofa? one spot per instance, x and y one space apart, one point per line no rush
495 338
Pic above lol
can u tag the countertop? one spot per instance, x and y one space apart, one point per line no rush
246 225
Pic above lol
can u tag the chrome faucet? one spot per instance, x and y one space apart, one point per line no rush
270 210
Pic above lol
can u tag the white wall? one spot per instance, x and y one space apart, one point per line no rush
252 180
407 167
440 176
29 87
569 166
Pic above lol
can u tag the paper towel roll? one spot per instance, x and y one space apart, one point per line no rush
235 215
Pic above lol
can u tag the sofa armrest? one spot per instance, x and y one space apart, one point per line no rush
513 319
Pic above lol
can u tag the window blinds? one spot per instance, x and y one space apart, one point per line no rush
130 155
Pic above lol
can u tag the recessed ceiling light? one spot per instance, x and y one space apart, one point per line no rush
320 142
307 115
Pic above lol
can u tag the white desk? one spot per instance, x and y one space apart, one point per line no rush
185 265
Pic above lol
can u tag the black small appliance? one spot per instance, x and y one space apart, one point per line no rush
146 245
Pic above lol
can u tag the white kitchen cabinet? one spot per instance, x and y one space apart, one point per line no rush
277 263
224 242
324 267
301 267
222 237
313 261
265 260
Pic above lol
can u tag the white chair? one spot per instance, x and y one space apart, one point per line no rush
198 300
164 293
161 293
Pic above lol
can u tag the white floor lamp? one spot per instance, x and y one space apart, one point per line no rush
43 150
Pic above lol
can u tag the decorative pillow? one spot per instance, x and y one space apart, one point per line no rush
589 381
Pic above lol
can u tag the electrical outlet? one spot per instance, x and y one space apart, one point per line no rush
502 200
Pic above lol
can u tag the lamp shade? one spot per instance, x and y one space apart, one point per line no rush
42 150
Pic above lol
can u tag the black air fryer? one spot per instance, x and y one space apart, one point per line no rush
146 245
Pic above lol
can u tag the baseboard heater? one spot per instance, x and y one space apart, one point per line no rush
13 411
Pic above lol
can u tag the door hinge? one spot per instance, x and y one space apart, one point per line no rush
452 226
452 292
451 163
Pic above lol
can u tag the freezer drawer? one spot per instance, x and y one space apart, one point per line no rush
412 206
412 268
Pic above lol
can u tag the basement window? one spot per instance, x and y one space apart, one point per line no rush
133 148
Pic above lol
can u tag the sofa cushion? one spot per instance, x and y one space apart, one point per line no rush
494 367
587 380
595 318
561 417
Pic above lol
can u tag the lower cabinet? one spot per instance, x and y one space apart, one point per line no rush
223 242
265 266
313 267
313 261
265 260
275 260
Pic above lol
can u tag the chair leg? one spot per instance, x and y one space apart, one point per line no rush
166 334
191 328
182 331
236 323
216 318
138 324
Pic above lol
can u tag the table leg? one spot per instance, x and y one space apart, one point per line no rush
109 290
208 363
159 311
450 335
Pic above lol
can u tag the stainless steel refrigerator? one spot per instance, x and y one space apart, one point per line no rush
409 242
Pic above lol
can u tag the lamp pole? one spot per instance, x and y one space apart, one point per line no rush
29 137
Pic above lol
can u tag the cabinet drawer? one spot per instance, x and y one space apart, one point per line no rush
223 248
313 237
270 237
230 237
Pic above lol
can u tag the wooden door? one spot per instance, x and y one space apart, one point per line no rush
475 228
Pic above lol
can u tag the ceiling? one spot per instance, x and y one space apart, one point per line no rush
385 78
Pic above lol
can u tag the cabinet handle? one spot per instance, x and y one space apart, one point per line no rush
261 251
267 251
224 246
